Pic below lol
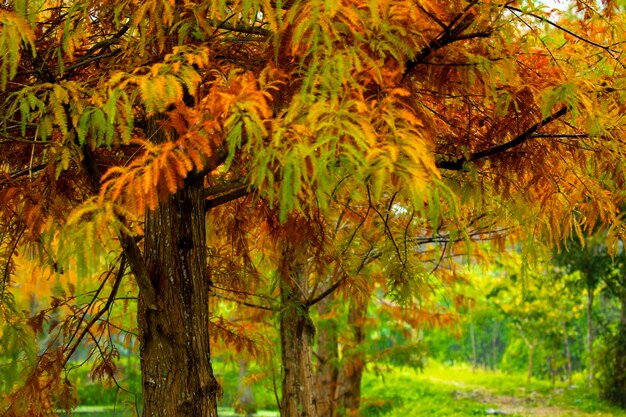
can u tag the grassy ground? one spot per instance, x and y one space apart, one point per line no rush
438 391
458 391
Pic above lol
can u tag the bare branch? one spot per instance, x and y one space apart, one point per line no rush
226 198
569 32
244 303
223 188
458 164
241 28
96 317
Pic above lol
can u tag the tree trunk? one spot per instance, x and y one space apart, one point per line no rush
613 380
296 336
328 357
177 376
245 396
349 385
568 354
590 375
474 353
552 368
620 357
531 352
494 345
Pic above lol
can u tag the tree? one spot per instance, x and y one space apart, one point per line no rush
597 267
539 305
123 123
591 260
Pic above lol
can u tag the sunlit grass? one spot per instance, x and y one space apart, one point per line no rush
437 391
458 390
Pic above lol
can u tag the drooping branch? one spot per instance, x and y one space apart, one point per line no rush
104 309
41 68
606 48
369 257
241 28
28 170
458 164
129 244
228 197
224 188
452 32
245 303
102 46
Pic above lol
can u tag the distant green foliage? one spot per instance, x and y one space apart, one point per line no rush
457 391
611 361
262 389
397 393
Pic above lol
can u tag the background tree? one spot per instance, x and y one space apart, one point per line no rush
599 268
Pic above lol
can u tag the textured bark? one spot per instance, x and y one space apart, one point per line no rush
296 336
328 357
177 376
349 386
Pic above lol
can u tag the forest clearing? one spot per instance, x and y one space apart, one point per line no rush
460 391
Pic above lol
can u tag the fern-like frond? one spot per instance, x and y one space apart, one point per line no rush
15 34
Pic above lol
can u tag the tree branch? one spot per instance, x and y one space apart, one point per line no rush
223 188
128 243
458 164
28 170
225 198
452 32
102 45
559 27
241 28
86 61
96 317
369 257
244 303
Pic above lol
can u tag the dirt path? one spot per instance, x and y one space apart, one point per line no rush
530 405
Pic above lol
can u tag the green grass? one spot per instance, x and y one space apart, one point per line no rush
456 391
111 411
397 393
438 391
99 411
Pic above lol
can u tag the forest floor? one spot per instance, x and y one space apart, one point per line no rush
531 404
455 391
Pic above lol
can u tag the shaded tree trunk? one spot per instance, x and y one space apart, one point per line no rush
531 353
590 336
552 368
328 357
473 341
349 384
245 396
494 344
620 358
296 336
568 354
177 377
